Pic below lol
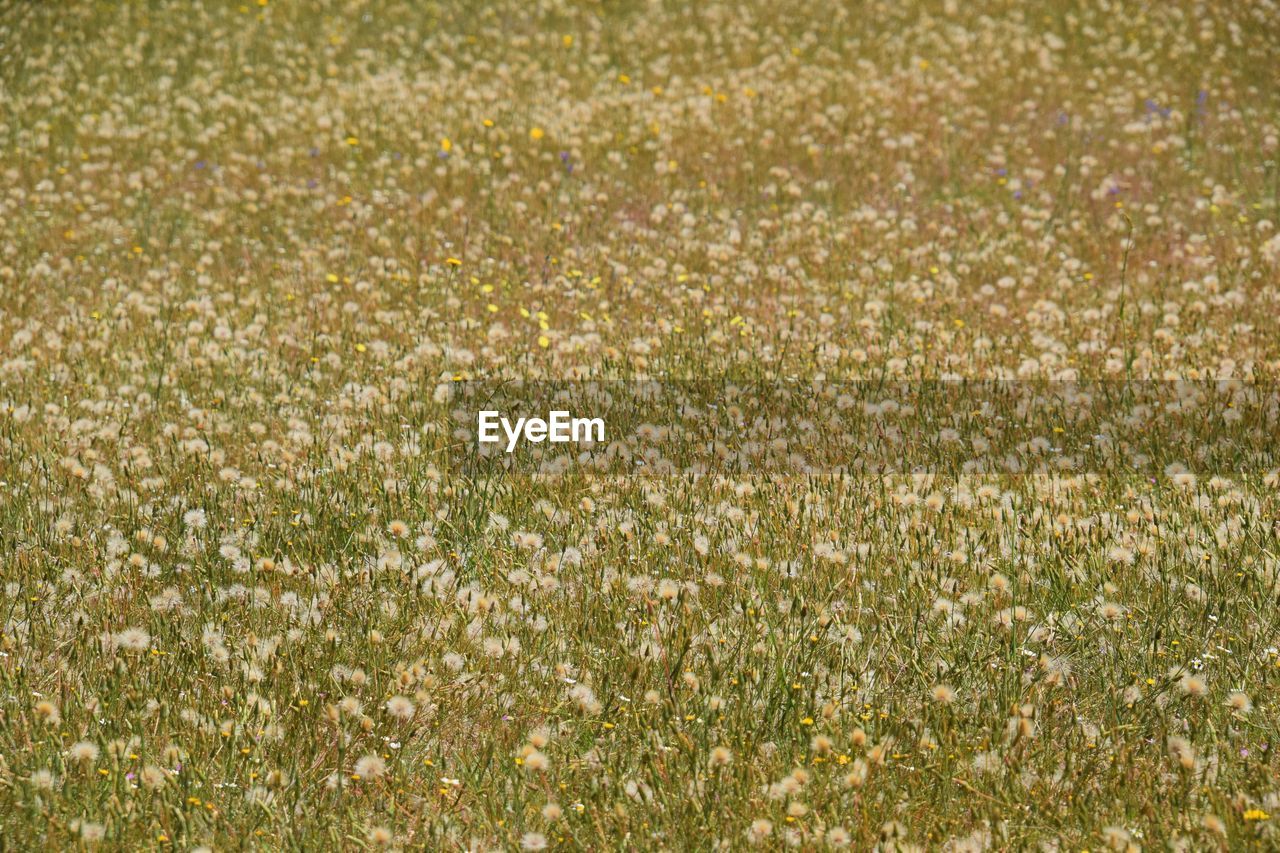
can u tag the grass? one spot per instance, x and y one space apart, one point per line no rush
260 592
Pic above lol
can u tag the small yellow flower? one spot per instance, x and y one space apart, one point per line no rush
536 133
445 145
1256 814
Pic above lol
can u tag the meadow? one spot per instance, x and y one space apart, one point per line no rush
939 506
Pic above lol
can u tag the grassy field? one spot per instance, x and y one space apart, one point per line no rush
261 592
